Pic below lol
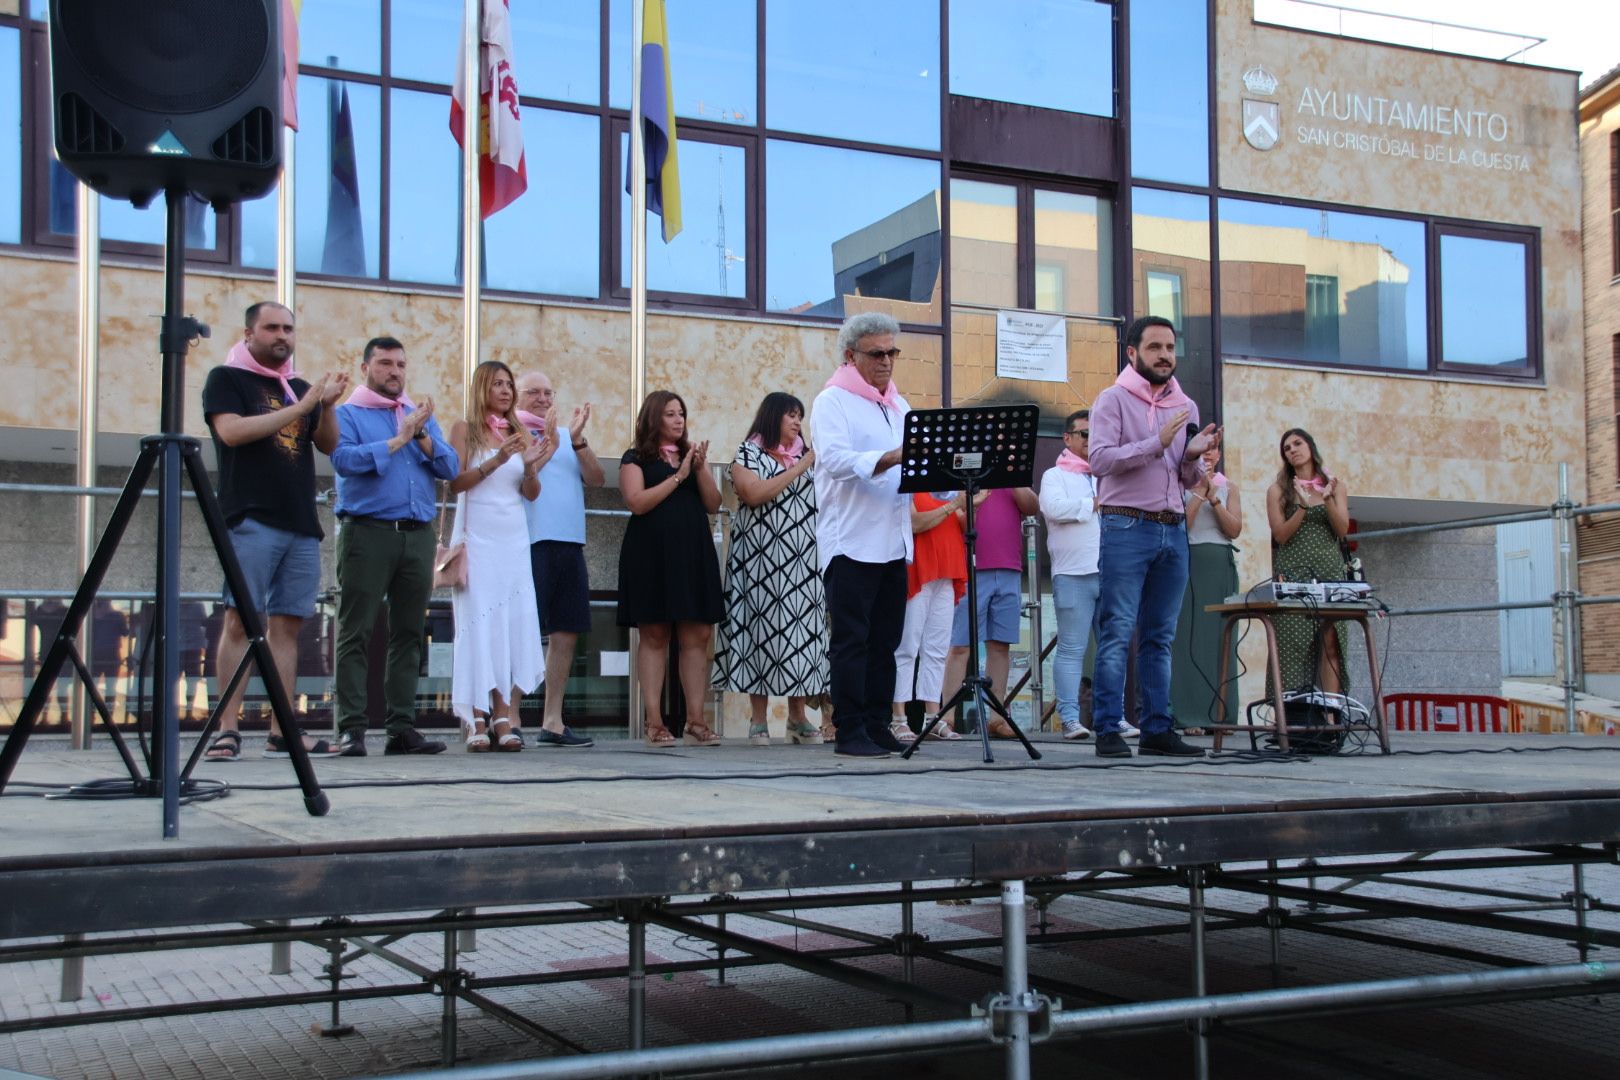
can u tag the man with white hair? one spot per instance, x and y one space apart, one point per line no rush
863 529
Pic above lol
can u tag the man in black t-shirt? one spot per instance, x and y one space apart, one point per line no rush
267 424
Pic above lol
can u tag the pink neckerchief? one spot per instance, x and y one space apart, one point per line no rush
240 358
498 426
365 397
1317 482
533 421
848 377
670 450
786 454
1168 396
1069 461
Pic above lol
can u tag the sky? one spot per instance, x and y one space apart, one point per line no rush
1582 35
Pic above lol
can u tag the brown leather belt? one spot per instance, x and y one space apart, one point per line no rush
1163 517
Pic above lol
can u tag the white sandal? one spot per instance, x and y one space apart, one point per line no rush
944 731
478 742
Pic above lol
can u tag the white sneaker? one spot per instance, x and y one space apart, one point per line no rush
1129 730
1076 730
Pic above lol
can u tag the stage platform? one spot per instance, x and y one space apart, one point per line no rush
625 822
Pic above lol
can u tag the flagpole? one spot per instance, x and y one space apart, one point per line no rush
286 232
89 296
638 222
638 312
472 138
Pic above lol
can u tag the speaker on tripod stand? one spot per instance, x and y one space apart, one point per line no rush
181 98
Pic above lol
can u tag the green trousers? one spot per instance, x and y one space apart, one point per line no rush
374 566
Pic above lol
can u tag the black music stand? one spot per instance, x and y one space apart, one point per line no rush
168 451
973 449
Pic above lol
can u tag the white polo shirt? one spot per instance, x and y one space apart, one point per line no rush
858 515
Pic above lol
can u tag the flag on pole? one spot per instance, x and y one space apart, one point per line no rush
290 11
344 251
658 121
502 174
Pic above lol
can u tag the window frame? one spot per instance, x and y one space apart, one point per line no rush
1532 300
1614 204
1024 186
1434 226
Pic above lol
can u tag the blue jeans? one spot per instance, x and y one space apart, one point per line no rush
1075 597
1144 573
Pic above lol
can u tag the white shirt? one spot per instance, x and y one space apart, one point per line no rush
1073 536
858 515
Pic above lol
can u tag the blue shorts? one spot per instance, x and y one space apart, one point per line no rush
283 569
562 590
999 600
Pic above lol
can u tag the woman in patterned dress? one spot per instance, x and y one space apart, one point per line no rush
773 641
1309 512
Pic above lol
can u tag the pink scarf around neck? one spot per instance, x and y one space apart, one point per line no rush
533 421
1169 396
1069 461
365 397
241 359
848 377
786 454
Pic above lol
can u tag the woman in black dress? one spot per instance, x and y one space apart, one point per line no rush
669 579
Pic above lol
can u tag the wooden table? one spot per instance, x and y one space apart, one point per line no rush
1262 611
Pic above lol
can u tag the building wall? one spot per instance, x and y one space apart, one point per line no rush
1408 441
1598 539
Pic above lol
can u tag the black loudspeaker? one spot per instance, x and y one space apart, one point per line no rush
156 94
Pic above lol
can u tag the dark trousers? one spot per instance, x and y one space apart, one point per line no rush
867 606
376 564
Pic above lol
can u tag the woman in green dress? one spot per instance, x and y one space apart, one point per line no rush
1309 512
1214 520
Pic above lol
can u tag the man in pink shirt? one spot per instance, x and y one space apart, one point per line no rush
1144 453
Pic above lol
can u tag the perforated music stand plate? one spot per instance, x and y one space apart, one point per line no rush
994 445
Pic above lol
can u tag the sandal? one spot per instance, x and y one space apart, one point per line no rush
759 735
902 730
508 741
478 742
276 746
699 735
804 732
945 732
659 736
224 746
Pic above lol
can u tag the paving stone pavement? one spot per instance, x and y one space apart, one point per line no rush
1567 1038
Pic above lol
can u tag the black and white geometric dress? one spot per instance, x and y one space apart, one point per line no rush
773 640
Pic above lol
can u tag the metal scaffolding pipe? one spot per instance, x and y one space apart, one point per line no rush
1015 981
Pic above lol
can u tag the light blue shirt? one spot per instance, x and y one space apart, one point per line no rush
559 512
371 482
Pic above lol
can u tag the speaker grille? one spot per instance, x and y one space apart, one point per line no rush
82 130
249 141
180 56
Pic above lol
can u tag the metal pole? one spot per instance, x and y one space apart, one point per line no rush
472 138
719 981
1195 913
637 708
280 952
286 225
1578 898
89 289
638 981
1015 979
908 959
1037 635
447 1022
1566 592
1274 925
73 970
638 222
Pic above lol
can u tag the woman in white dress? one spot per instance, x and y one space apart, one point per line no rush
498 654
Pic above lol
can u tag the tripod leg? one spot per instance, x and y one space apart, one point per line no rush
214 716
1001 710
981 701
99 703
45 679
315 800
963 694
165 705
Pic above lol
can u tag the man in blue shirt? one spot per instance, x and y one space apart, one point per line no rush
562 590
389 452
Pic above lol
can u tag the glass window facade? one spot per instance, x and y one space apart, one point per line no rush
1323 286
1074 252
347 34
10 136
709 257
424 196
549 241
878 85
713 78
984 243
1048 53
1170 91
1484 308
1171 276
848 223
